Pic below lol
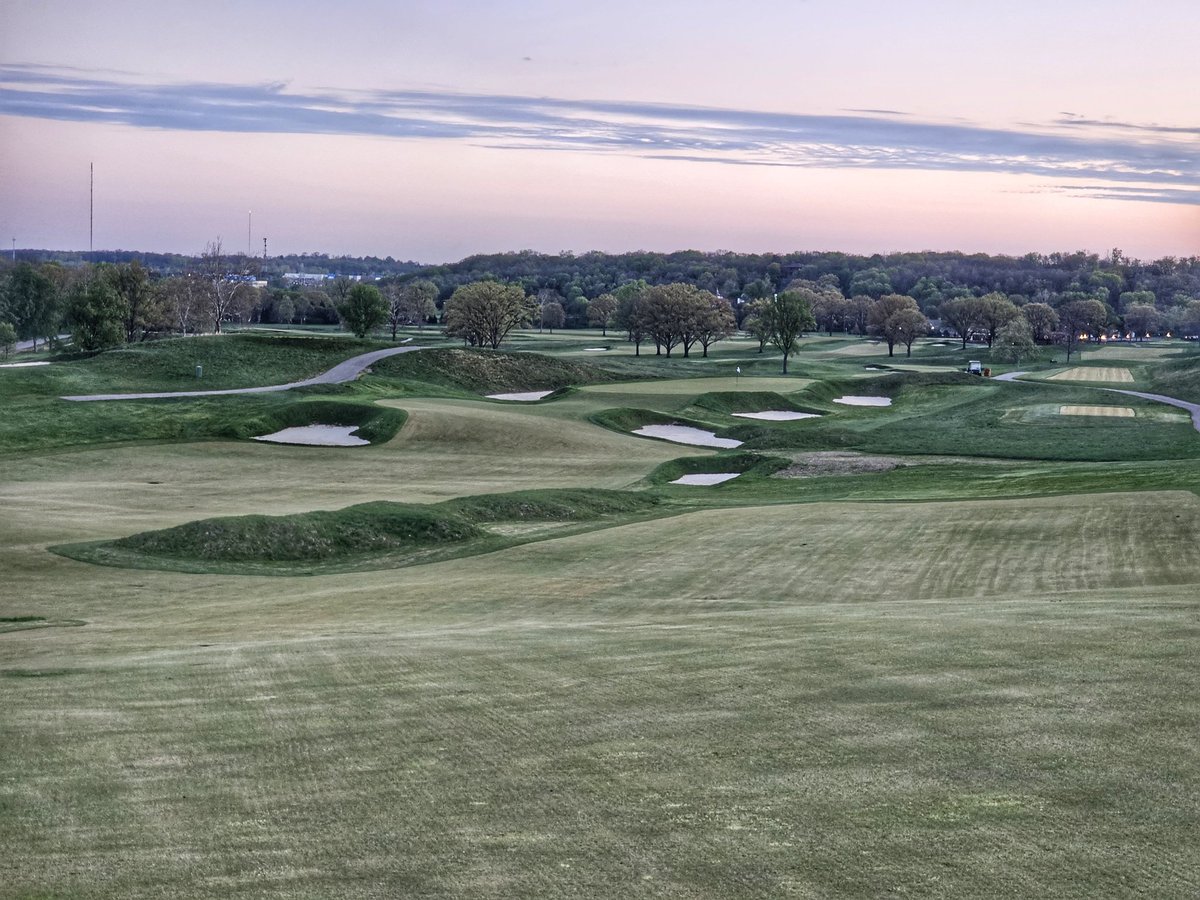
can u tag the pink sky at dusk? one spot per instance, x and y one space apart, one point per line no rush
432 131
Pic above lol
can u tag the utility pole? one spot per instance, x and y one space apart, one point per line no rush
264 248
91 205
14 249
249 221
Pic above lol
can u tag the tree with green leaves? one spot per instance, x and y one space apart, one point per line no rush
1014 341
961 314
906 326
97 315
1080 318
715 321
788 315
995 310
363 309
757 323
882 310
1042 320
482 313
410 302
600 312
8 337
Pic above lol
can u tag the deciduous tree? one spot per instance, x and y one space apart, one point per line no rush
97 314
363 309
482 313
1014 341
882 311
600 312
788 316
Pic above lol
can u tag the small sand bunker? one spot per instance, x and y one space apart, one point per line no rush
316 436
683 434
706 478
24 365
595 349
521 396
1120 412
864 401
777 415
1094 373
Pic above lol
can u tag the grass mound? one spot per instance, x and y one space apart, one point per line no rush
228 361
368 535
490 371
320 535
565 505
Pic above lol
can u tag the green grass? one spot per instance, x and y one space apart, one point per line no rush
966 676
364 536
488 371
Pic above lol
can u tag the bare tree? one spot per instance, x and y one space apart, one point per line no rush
227 291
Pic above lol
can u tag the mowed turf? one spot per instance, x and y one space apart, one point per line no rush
1112 412
939 699
1105 374
942 699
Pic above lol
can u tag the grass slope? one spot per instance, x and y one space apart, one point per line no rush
367 535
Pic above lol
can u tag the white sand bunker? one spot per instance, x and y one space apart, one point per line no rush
25 365
777 415
864 401
1121 412
521 396
1094 373
595 349
316 436
683 434
706 478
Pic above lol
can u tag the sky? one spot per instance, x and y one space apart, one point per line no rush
434 130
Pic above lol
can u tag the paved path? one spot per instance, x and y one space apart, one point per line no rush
22 346
342 372
1193 408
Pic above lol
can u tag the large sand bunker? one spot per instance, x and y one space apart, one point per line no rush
777 415
683 434
521 396
864 401
1121 412
706 478
316 436
1094 373
24 365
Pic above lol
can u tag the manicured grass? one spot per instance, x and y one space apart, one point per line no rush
970 673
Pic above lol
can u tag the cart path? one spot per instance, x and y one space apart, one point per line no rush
1193 408
344 371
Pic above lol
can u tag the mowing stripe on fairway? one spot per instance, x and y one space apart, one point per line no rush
1094 373
1123 412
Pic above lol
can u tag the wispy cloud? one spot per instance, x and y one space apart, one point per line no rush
1071 147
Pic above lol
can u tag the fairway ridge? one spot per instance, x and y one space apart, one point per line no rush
344 371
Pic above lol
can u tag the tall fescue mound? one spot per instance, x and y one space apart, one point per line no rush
368 529
1178 378
552 505
228 361
483 371
321 535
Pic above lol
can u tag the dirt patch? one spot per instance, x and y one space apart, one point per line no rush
836 462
